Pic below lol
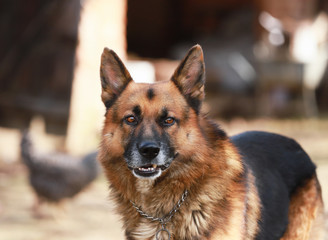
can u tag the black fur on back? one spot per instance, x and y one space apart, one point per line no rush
279 165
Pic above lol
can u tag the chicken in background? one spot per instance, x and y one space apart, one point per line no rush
57 176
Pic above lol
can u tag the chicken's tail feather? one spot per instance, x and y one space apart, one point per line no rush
26 148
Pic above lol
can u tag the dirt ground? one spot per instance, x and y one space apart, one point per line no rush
90 216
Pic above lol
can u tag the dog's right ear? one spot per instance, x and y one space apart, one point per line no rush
114 77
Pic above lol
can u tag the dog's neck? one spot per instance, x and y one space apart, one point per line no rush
163 220
143 186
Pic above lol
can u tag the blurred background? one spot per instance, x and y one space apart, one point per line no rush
266 66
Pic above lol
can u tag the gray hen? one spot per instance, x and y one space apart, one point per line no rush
57 176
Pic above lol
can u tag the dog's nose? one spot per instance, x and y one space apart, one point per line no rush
148 149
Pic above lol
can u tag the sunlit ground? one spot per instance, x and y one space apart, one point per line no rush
90 217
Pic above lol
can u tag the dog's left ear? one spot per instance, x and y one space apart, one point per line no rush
189 77
114 77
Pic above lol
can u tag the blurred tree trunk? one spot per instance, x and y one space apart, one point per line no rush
103 24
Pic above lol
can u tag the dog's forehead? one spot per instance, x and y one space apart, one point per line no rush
153 97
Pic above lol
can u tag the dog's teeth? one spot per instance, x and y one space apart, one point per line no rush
146 169
151 168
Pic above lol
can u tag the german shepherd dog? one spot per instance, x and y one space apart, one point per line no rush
174 174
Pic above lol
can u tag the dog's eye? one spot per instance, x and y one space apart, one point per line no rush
169 121
131 120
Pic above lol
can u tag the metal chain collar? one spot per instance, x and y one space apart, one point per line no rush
164 220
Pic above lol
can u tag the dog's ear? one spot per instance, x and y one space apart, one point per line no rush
114 77
189 77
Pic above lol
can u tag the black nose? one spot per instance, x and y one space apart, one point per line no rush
148 149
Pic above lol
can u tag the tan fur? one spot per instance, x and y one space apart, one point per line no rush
253 212
306 219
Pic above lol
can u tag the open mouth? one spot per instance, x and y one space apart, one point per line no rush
148 171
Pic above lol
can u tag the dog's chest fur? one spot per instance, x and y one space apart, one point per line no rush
195 218
145 230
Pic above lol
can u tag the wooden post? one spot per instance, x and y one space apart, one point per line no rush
102 24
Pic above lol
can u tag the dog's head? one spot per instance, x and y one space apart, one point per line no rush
149 125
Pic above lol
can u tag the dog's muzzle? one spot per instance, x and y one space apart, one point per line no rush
149 159
149 151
